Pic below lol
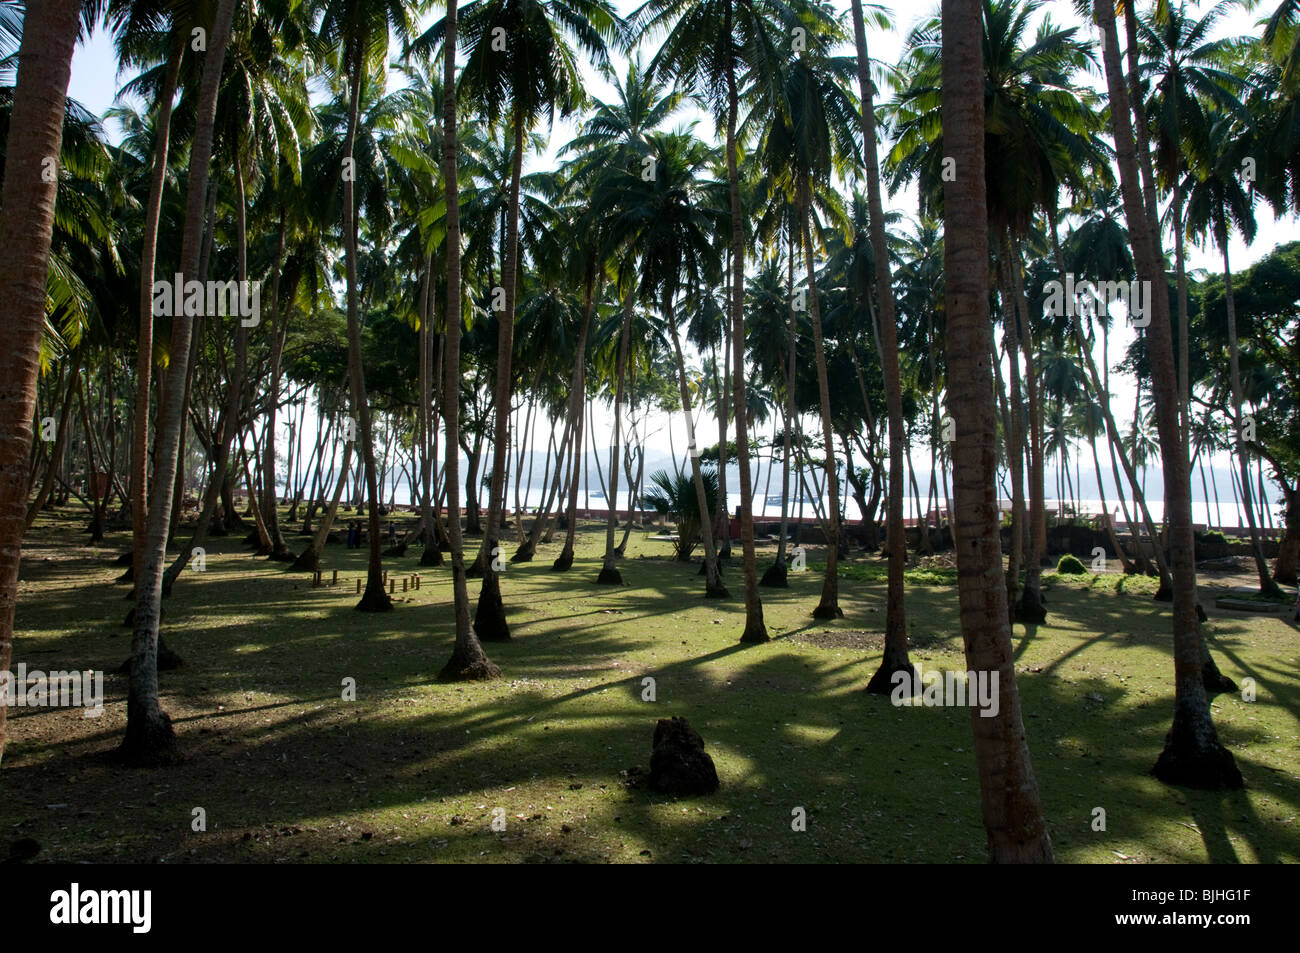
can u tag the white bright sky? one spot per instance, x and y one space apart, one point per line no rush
95 83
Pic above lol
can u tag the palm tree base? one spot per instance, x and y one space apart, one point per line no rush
490 614
1188 762
563 562
432 556
463 669
775 577
610 577
755 634
886 682
150 742
128 576
374 599
1164 594
824 611
524 554
308 561
1030 611
282 554
717 592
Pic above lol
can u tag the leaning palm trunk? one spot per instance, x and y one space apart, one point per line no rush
149 738
26 226
468 660
713 586
829 606
1192 753
895 657
490 615
1012 813
609 574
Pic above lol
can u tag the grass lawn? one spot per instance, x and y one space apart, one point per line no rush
413 770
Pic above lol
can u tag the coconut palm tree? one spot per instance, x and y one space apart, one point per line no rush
357 31
814 128
710 61
520 64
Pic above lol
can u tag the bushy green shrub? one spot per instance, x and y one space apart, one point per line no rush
1071 566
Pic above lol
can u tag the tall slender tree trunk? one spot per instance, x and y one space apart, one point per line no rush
139 480
577 407
374 599
755 630
829 606
490 615
1266 584
1012 813
1192 755
26 225
279 327
713 587
609 574
468 661
149 737
895 658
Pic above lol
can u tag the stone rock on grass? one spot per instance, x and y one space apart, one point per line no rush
679 763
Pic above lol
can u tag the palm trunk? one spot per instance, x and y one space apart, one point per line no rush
468 660
149 738
490 615
144 346
829 606
713 586
895 658
1192 753
609 574
279 327
26 225
1266 584
577 406
60 442
374 599
755 630
1012 813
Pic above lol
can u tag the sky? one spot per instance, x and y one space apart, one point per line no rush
95 82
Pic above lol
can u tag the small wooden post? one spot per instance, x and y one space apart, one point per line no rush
358 585
404 582
417 580
315 580
392 584
335 580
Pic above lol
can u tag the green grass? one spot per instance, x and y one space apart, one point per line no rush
413 769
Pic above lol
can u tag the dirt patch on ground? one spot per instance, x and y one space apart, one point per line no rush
857 639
